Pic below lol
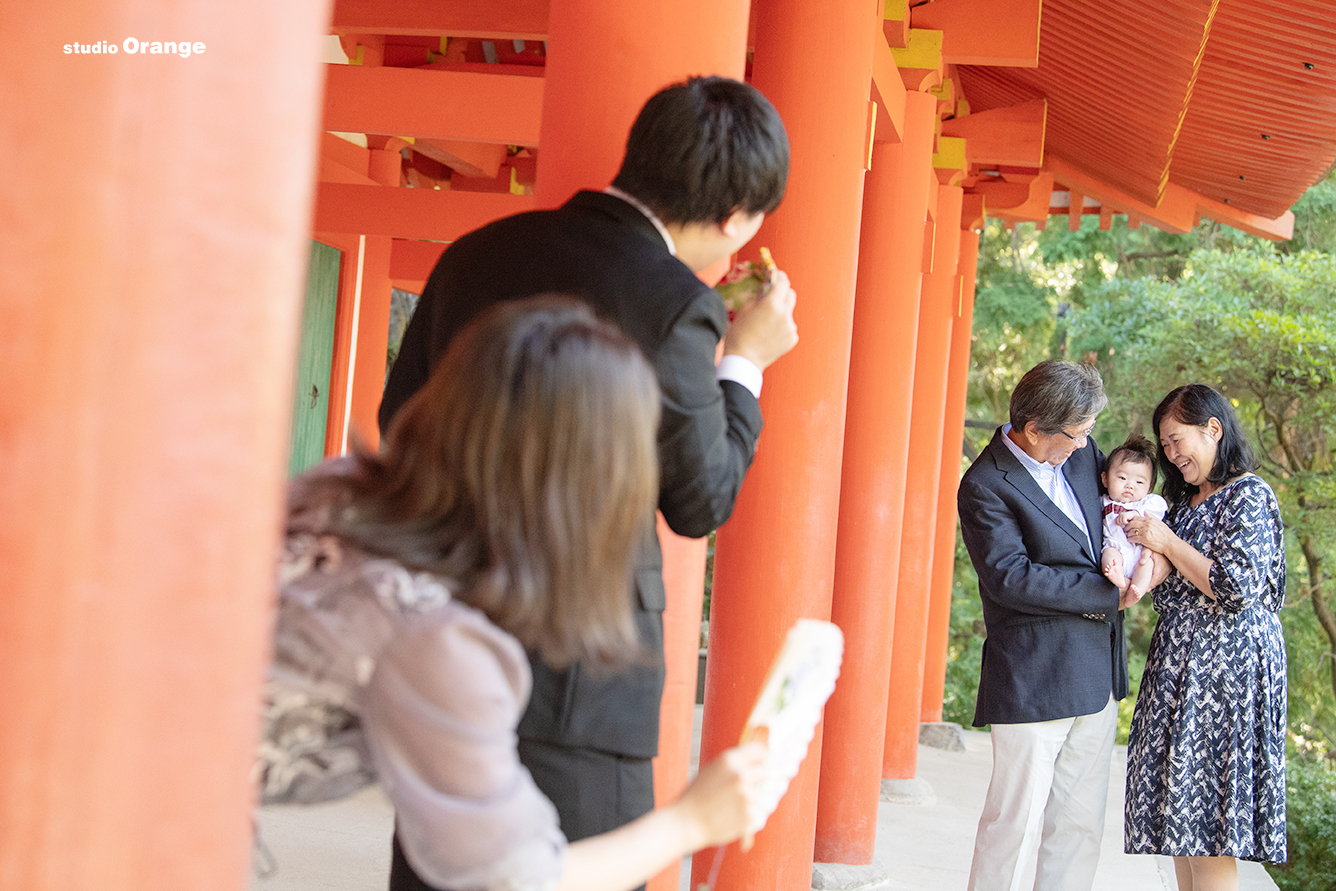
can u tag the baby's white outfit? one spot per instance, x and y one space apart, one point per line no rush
1115 536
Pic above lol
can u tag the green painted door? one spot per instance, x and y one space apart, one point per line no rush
311 406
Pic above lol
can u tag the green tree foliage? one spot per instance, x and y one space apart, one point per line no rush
1261 327
1015 314
1311 828
1315 219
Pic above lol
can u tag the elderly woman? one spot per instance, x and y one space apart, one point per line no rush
501 517
1206 755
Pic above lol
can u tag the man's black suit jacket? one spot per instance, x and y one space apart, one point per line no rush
603 250
1055 646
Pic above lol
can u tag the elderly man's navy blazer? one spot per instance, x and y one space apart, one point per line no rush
1055 646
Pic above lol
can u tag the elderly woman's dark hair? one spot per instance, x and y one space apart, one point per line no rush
1196 404
524 473
1057 394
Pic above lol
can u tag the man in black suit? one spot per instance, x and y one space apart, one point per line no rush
705 161
1054 661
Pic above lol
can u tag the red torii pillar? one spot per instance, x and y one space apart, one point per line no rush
362 323
149 310
953 432
872 485
775 559
605 59
900 759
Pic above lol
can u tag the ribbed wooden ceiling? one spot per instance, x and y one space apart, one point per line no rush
1144 92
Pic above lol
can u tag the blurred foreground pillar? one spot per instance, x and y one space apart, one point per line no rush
149 304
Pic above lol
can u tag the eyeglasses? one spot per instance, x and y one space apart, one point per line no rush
1084 434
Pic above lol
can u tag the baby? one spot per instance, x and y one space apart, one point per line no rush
1127 475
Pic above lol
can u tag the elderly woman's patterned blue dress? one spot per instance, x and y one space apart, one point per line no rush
1206 755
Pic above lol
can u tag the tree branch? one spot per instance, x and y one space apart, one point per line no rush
1153 255
1324 614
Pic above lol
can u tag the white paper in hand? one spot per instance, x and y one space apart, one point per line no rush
801 679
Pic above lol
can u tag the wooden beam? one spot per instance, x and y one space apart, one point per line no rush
895 23
920 62
413 260
451 105
332 171
984 32
498 183
438 215
1279 229
482 159
1175 213
1075 208
363 49
1033 209
1005 136
972 211
1001 194
888 91
951 160
495 19
945 94
349 154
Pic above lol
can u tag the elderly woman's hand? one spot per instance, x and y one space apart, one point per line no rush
1150 533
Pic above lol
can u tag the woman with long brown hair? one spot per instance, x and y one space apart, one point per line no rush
500 517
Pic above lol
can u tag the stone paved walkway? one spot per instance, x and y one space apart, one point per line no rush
345 846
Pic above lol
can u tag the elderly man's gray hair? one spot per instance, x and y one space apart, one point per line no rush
1056 395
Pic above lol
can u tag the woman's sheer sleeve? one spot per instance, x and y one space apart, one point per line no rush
440 711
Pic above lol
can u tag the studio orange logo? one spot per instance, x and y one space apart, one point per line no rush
132 46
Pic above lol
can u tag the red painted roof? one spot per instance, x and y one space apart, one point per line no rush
1144 92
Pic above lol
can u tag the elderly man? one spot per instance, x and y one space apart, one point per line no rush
1054 662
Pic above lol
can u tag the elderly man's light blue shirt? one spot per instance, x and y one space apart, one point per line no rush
1053 483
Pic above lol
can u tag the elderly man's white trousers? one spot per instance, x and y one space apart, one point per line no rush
1046 799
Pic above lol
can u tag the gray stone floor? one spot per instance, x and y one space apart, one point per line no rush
345 846
929 846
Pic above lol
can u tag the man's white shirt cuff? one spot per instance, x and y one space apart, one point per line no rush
742 370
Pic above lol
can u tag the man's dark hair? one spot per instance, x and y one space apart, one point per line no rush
1138 450
1196 404
702 149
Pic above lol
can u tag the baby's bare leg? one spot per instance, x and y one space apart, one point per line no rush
1111 562
1141 579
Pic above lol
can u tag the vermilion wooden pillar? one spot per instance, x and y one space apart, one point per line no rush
361 340
352 250
872 485
361 324
605 58
953 432
373 316
775 559
148 336
938 304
